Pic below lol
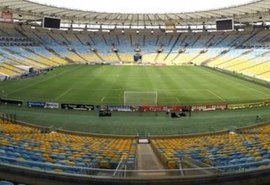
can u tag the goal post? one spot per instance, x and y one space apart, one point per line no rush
140 98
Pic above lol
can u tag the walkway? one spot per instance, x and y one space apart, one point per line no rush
147 160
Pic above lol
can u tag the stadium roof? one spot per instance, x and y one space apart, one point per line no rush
254 11
142 6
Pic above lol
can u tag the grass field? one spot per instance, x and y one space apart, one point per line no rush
106 85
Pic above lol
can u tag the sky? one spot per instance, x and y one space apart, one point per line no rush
143 6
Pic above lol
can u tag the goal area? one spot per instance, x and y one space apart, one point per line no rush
140 98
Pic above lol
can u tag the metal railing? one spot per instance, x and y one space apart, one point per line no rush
123 172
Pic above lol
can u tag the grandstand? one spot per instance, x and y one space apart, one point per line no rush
60 152
211 69
237 151
42 49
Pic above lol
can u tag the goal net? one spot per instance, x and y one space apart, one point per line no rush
140 97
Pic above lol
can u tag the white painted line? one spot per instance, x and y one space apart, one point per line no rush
63 94
253 89
177 100
219 97
103 98
39 82
181 90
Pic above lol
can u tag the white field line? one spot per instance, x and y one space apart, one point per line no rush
39 82
154 90
219 97
177 100
176 90
103 98
255 90
63 94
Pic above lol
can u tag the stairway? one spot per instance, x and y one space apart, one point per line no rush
147 160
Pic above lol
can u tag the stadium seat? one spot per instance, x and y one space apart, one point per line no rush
6 183
26 146
245 148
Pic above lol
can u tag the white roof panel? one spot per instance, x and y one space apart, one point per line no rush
251 12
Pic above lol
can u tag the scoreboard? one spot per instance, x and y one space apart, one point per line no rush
224 24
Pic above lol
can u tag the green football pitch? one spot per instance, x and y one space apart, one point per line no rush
107 84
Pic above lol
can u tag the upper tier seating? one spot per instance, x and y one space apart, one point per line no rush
243 52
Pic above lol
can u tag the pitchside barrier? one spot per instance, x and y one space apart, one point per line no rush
246 105
45 105
84 107
11 101
208 107
267 103
122 108
138 98
160 108
179 108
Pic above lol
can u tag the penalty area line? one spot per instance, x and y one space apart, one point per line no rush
178 101
63 94
219 97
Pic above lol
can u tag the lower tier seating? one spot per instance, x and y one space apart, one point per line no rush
62 152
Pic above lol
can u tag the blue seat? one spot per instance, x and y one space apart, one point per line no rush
6 183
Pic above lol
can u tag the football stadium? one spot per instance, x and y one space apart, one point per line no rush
116 95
